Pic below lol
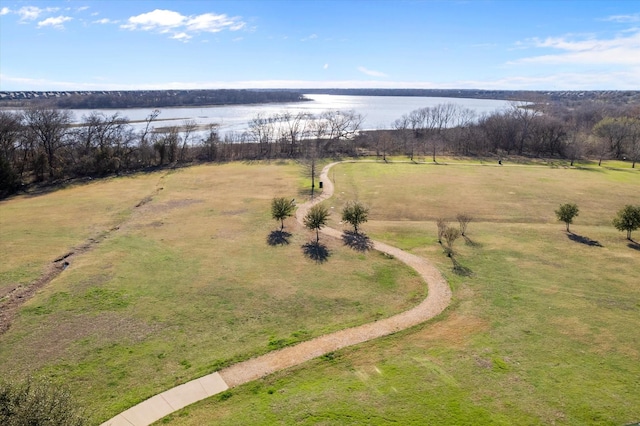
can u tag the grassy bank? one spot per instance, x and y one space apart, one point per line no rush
544 328
183 283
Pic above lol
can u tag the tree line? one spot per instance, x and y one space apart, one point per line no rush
42 144
145 98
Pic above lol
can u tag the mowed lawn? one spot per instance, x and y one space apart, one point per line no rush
182 283
544 327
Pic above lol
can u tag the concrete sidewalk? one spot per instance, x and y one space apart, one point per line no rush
165 403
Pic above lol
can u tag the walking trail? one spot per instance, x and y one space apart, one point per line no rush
438 298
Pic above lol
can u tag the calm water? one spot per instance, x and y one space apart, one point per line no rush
379 111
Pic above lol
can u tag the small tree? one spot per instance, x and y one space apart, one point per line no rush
463 220
450 235
442 226
566 213
281 208
355 213
316 218
627 219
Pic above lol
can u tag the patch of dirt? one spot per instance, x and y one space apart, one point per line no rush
58 340
12 300
454 331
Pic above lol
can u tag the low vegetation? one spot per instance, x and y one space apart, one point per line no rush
543 328
38 402
173 278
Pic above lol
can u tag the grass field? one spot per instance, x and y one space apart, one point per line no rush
179 286
545 328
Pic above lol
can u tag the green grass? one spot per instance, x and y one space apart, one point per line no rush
185 286
545 330
37 229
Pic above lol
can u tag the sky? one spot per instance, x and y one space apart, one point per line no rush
430 44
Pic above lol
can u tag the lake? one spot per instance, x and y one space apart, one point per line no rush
379 112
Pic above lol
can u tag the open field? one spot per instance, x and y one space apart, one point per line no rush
544 329
179 286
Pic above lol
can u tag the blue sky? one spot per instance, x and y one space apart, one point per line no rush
498 44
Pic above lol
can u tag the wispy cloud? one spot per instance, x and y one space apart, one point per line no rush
180 26
5 11
181 36
57 22
623 49
371 73
105 21
625 19
31 13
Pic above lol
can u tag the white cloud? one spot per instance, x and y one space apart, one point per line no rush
105 21
5 11
181 36
159 19
371 73
622 50
57 22
31 13
212 23
182 27
325 67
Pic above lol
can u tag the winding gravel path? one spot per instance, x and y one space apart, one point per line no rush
438 298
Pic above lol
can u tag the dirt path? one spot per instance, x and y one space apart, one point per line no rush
438 298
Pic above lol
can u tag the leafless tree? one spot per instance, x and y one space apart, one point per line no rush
262 130
188 127
463 220
48 128
442 225
450 235
402 127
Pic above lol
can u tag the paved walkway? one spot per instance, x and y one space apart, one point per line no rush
438 298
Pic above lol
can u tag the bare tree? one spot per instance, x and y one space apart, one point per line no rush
463 220
442 225
403 128
262 129
10 135
48 127
524 116
450 235
294 128
188 127
614 130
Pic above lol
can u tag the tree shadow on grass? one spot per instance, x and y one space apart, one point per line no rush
458 269
583 240
359 242
468 241
634 245
278 238
316 251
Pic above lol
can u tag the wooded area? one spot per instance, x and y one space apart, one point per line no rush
40 144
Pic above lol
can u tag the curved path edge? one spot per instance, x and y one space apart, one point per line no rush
438 298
